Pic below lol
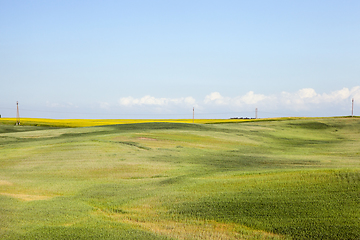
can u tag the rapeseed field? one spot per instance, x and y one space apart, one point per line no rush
103 122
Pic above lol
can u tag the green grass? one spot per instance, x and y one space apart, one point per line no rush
284 179
312 205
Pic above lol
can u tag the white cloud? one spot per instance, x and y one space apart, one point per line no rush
212 97
60 105
355 93
190 101
336 95
252 98
153 101
216 98
306 93
249 98
307 98
301 102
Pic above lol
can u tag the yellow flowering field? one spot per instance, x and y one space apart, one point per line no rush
102 122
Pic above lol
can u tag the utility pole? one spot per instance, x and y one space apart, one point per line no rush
256 111
193 114
352 107
17 114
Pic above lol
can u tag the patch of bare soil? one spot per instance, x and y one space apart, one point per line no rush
4 182
148 139
26 197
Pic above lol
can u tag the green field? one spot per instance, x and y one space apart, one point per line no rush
285 179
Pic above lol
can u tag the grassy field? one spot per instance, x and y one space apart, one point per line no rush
284 179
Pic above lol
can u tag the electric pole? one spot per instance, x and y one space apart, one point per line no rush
17 114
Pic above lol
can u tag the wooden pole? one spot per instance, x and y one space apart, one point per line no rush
17 114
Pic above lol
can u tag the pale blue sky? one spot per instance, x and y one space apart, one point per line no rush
158 59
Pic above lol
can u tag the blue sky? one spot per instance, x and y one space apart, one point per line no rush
158 59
